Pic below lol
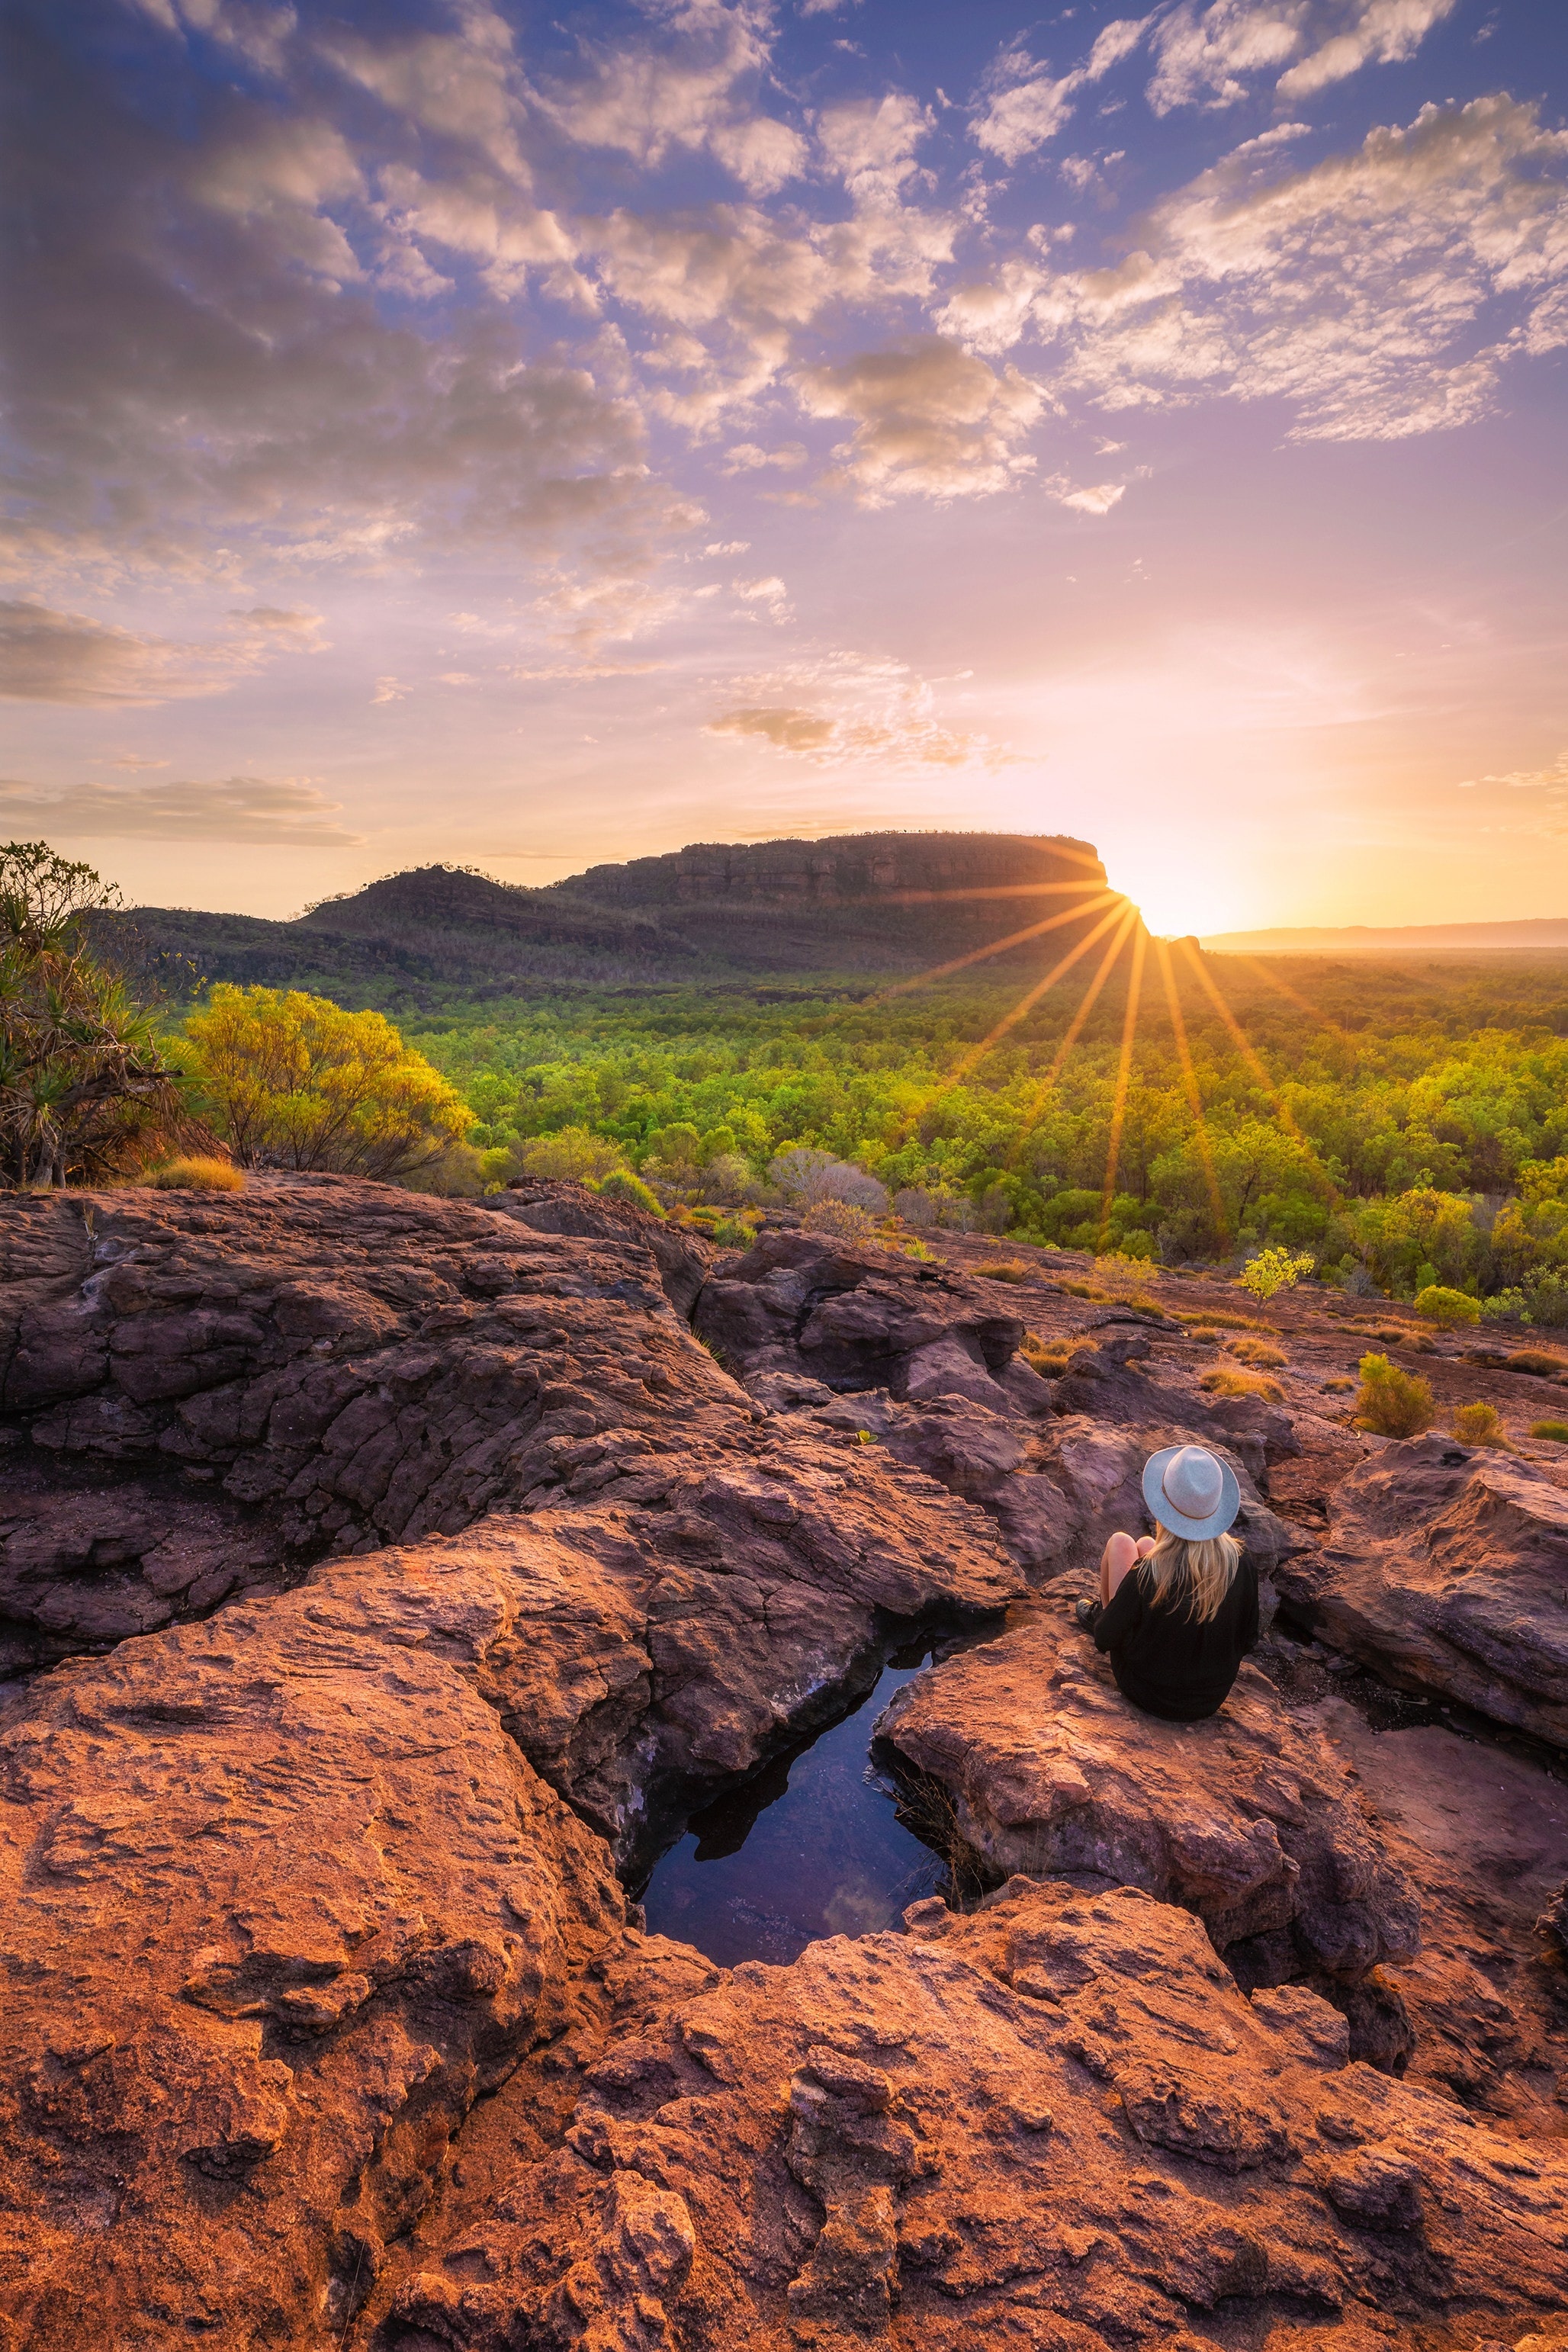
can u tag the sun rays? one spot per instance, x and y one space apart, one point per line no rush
1109 920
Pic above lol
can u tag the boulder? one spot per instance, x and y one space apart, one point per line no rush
280 1899
1447 1570
1243 1819
857 1319
1056 2123
684 1260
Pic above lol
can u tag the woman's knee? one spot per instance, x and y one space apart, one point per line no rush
1121 1554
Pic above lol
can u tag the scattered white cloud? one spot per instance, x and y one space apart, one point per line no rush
862 711
750 458
283 810
693 87
390 689
1026 105
870 144
930 420
1214 55
1357 288
1091 498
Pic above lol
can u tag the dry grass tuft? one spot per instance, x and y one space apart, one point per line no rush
1262 1354
1047 1357
1211 1318
1006 1269
1537 1360
1227 1381
197 1176
1557 1431
1338 1387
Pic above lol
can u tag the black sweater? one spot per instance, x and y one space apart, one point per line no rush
1161 1660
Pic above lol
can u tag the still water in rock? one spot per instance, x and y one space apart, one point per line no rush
811 1846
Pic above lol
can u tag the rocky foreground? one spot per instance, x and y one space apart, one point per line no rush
384 1580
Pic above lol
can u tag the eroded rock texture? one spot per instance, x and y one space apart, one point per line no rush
1448 1569
1244 1819
1057 2123
280 1898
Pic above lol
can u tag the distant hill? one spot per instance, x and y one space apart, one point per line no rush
1545 935
873 904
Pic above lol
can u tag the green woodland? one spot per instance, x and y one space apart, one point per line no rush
1407 1128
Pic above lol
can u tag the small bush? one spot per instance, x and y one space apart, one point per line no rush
620 1184
1047 1357
197 1176
917 1249
1205 1318
1120 1271
1261 1353
1451 1310
1557 1431
1391 1402
1478 1424
842 1219
1006 1269
1536 1360
1339 1386
1274 1270
1227 1381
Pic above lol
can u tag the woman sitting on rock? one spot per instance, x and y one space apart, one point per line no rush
1178 1611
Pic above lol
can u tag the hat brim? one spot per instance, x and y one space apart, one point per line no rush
1161 1511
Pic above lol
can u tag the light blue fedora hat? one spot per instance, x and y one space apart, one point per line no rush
1190 1491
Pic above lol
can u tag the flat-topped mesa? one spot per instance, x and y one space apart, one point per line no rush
841 869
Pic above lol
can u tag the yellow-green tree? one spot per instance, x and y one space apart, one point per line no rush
293 1081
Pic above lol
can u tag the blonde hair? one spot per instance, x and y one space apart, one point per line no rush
1193 1577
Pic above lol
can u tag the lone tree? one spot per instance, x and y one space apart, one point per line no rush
293 1081
85 1089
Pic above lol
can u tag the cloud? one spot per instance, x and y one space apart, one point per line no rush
287 811
1359 288
389 689
930 420
56 657
863 711
241 388
1555 777
1213 56
696 89
1027 105
870 144
1093 498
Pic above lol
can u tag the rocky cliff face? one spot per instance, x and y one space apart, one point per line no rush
874 903
383 1576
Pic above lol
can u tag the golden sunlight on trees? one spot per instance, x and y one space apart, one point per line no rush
293 1081
85 1091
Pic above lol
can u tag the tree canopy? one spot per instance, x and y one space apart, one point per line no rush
293 1081
85 1087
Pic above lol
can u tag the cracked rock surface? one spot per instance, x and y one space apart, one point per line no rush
1244 1819
1447 1570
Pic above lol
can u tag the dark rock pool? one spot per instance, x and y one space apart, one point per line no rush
812 1845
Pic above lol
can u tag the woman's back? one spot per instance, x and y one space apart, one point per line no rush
1168 1660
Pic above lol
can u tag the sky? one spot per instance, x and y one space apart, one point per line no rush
438 430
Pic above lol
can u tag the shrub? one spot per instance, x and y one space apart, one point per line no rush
1121 1271
299 1083
1478 1424
1047 1357
1450 1309
1339 1386
842 1219
1557 1431
1274 1270
196 1176
1536 1360
1227 1381
1392 1402
807 1177
1004 1269
570 1156
620 1184
1262 1353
